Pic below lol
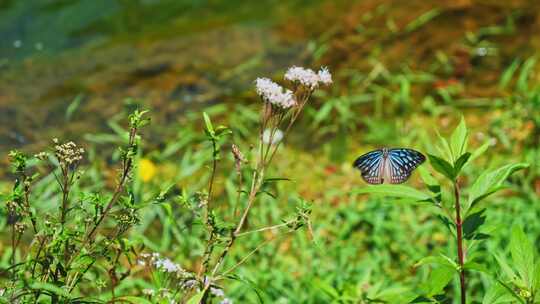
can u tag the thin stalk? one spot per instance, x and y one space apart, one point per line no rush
65 195
209 245
127 165
459 233
27 203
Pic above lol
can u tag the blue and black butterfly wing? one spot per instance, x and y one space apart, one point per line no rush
371 166
402 163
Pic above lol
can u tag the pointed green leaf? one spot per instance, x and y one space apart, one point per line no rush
444 148
490 182
498 294
461 162
400 191
479 151
458 140
50 288
522 255
509 73
208 124
472 223
505 268
438 279
476 267
440 260
441 166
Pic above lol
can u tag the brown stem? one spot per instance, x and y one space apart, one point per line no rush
65 194
459 233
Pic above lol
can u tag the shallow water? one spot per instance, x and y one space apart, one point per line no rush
177 56
173 55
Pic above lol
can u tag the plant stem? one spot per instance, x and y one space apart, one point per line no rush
459 233
65 195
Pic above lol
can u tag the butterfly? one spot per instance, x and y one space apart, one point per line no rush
392 165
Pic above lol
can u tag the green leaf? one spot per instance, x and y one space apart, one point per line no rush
401 191
479 151
326 288
498 294
522 252
527 69
222 130
134 300
438 279
476 267
196 299
208 123
472 223
73 106
536 280
440 260
431 183
458 140
461 162
490 182
441 166
506 269
508 73
53 289
444 148
422 20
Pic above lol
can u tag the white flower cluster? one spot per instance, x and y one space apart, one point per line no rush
308 77
163 264
274 93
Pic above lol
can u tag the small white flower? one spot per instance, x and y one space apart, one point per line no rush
167 265
189 284
324 76
277 137
217 292
148 292
226 301
306 77
274 93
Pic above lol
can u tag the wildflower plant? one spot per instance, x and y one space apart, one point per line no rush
54 259
459 207
281 108
82 251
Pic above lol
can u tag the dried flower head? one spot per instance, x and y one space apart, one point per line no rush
41 156
20 227
68 153
274 93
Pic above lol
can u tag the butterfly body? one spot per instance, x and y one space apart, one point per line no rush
392 165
